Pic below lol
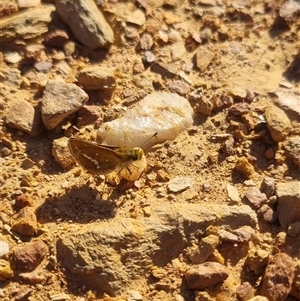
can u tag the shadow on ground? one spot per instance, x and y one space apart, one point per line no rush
79 204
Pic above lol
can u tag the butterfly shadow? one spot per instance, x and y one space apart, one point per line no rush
78 205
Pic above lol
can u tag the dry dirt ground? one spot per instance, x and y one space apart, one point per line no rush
254 49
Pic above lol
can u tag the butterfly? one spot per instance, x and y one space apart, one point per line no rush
104 159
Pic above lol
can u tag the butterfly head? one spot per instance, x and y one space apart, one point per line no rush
137 153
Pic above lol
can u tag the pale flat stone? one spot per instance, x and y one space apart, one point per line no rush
61 152
28 3
278 123
179 184
203 58
137 17
23 116
233 194
27 24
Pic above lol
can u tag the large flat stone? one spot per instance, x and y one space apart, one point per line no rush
113 254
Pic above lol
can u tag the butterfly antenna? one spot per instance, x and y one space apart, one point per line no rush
154 135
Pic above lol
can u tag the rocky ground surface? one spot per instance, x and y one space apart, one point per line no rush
216 214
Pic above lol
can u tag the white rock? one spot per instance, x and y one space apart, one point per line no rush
4 248
166 114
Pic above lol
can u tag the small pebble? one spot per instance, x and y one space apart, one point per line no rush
245 291
146 41
147 211
137 17
206 187
267 213
163 36
149 57
174 36
43 66
65 184
60 297
244 167
278 123
179 184
5 151
12 57
255 197
249 183
22 201
135 296
233 194
238 92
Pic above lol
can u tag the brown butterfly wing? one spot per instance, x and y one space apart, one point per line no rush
75 145
98 160
95 158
